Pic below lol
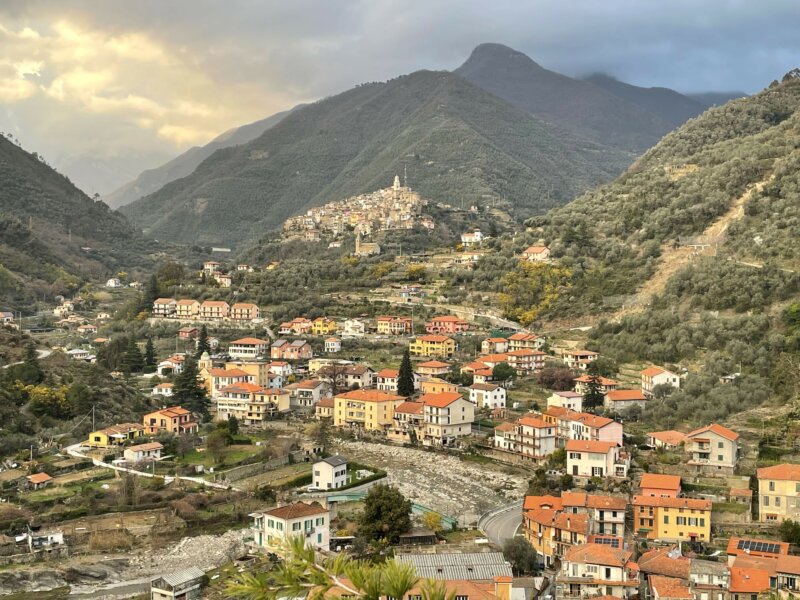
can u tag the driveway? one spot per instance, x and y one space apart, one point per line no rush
502 524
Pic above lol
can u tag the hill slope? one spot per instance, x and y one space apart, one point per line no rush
154 179
581 106
45 221
459 143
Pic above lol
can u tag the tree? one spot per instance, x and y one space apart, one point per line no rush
149 353
405 379
320 432
233 425
433 521
558 379
202 342
29 372
216 443
593 396
387 514
150 294
189 390
790 531
133 361
503 372
171 273
521 555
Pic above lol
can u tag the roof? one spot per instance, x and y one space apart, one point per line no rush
485 387
325 403
625 395
215 303
653 371
538 502
503 427
410 408
496 340
388 373
741 492
665 561
788 564
523 336
748 580
598 554
434 364
228 373
535 249
581 353
172 411
433 338
242 305
121 428
448 318
307 384
243 387
589 446
335 461
601 380
669 588
165 385
441 399
784 471
249 341
593 500
146 447
670 436
756 547
661 482
534 422
163 300
692 503
467 565
591 420
369 396
188 302
296 510
37 478
177 578
718 429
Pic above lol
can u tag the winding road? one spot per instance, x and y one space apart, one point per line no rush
41 354
502 524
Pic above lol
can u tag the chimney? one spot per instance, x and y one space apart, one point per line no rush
502 587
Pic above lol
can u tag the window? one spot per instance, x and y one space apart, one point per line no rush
320 520
702 522
771 486
575 455
296 526
720 445
766 500
777 500
719 457
666 520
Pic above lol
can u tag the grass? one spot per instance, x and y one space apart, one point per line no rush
233 455
730 507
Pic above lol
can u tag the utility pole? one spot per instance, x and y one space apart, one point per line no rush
93 429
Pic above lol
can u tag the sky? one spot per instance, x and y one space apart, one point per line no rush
106 88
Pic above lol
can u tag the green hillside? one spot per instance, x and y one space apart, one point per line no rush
53 236
458 143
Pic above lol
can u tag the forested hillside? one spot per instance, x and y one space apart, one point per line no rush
53 236
460 145
691 256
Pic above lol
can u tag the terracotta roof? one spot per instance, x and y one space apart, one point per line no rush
653 371
146 447
670 436
534 422
741 492
589 446
558 411
669 588
625 395
447 319
122 428
576 523
410 408
433 364
748 580
694 503
601 380
369 396
592 420
525 352
485 387
598 554
296 510
163 300
504 427
734 550
307 384
215 372
718 429
326 403
388 373
187 302
581 353
788 564
538 502
434 338
522 336
441 399
665 561
173 411
496 358
165 385
593 501
535 249
660 482
783 472
249 341
215 303
242 388
243 305
38 478
496 340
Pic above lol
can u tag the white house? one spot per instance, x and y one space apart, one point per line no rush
333 344
536 254
78 354
163 389
471 238
487 395
354 328
447 416
6 317
330 473
653 376
248 347
281 368
579 359
114 282
140 452
621 400
588 458
174 365
274 527
595 569
570 400
306 394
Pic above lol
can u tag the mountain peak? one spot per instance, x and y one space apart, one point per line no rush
494 52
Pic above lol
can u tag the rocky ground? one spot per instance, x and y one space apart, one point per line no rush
444 483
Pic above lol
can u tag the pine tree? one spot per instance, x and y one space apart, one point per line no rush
405 379
593 396
202 342
151 293
189 390
149 353
132 362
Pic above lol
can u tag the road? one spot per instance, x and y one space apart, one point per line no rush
502 525
42 354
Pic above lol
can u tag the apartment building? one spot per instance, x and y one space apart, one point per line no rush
367 409
713 448
672 519
779 493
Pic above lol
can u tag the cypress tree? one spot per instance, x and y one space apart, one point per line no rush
405 379
149 353
132 362
189 390
202 342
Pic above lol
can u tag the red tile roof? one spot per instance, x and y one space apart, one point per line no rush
369 396
694 503
595 446
669 588
748 580
782 472
660 482
441 399
296 510
671 437
625 395
718 429
665 561
598 554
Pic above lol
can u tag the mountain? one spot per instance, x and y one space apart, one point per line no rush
52 235
459 144
671 106
154 179
581 106
716 98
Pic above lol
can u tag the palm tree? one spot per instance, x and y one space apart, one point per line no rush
436 589
398 579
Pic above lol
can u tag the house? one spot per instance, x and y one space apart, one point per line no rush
536 254
447 324
274 527
248 348
588 458
668 440
116 435
472 238
324 408
622 400
407 423
185 584
672 519
223 279
494 345
244 268
392 325
439 346
294 350
779 493
6 318
214 310
579 359
738 546
347 375
433 368
297 326
188 333
280 368
526 361
713 448
434 385
114 282
251 404
447 416
323 326
664 561
586 426
188 308
37 481
216 379
387 380
79 354
86 330
173 365
550 531
597 569
330 473
660 486
525 339
333 345
653 376
164 307
245 311
140 452
174 419
606 513
371 410
487 395
668 588
163 389
210 266
529 438
605 384
708 579
353 328
570 400
306 394
260 371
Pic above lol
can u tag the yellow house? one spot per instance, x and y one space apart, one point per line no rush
323 326
116 435
434 385
779 493
259 371
371 410
672 519
439 346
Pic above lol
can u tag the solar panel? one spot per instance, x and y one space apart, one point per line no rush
754 546
607 541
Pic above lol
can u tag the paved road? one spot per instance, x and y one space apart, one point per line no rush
41 353
503 526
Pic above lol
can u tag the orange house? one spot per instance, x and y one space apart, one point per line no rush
174 419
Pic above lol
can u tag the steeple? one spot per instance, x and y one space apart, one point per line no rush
396 185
